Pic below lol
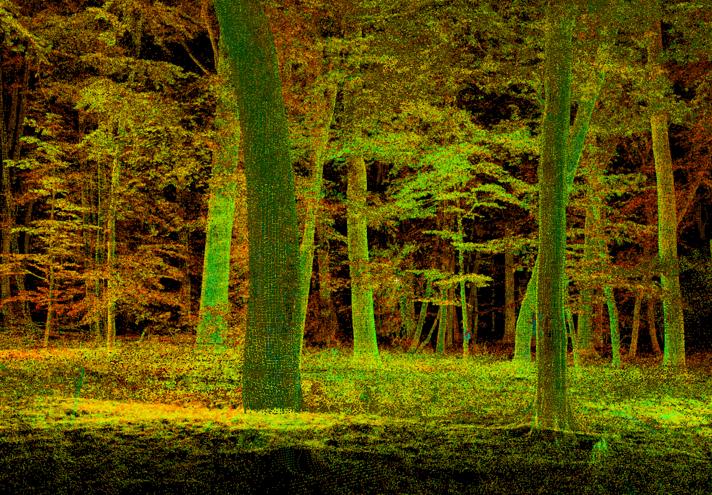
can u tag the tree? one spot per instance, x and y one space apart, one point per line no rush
674 331
363 321
214 297
526 320
271 375
313 200
552 409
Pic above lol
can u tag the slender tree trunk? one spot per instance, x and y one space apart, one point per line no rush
585 322
442 327
99 261
466 335
613 325
652 327
112 273
526 320
510 319
552 409
329 323
636 327
312 205
415 341
271 372
214 310
364 324
474 302
433 327
50 289
673 322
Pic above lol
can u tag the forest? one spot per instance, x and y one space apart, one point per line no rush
355 246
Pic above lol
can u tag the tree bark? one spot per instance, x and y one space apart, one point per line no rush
328 324
466 335
271 372
12 116
415 341
442 326
510 320
636 327
526 320
585 322
552 409
674 329
613 325
313 200
363 319
112 283
214 310
652 327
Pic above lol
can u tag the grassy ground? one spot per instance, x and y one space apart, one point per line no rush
156 417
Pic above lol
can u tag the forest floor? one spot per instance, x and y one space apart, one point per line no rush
158 417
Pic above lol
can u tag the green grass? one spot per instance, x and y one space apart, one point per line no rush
419 424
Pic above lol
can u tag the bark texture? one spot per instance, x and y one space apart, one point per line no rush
271 375
674 328
214 296
552 410
362 315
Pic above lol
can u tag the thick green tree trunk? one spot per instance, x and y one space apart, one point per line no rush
363 320
271 374
552 410
214 298
312 204
526 319
674 329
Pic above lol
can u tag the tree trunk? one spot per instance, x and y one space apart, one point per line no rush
415 341
99 256
271 374
673 322
552 409
49 321
112 273
474 302
576 137
526 321
364 324
12 116
636 327
466 335
328 324
442 326
585 322
433 327
652 327
214 310
312 204
613 325
510 320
